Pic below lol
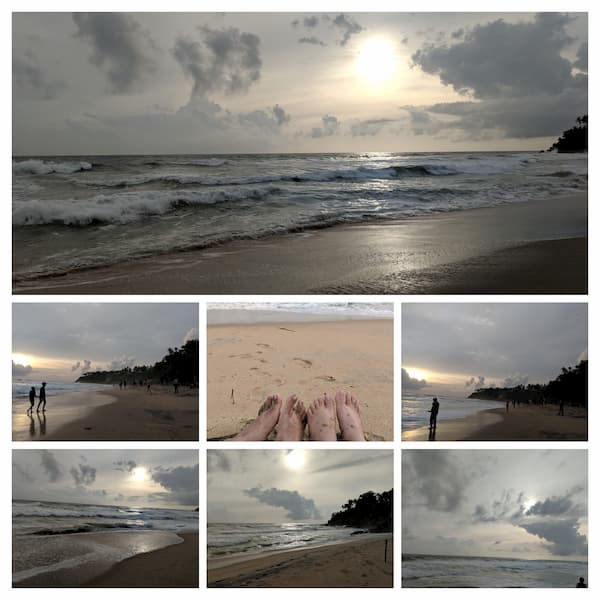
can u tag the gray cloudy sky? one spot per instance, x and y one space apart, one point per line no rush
144 478
279 486
64 340
504 503
458 347
225 82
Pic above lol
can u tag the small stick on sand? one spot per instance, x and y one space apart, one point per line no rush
232 398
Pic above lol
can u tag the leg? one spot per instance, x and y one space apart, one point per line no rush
261 427
290 426
348 414
321 419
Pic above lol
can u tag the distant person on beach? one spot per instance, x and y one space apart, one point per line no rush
507 405
175 385
290 418
581 583
31 399
435 408
42 397
561 408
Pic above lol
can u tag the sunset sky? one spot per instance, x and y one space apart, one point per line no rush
455 348
110 83
62 341
528 504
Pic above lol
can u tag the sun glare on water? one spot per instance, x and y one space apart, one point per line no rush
376 60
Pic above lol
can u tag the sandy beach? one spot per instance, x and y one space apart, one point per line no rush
358 563
538 246
524 423
253 361
175 565
131 415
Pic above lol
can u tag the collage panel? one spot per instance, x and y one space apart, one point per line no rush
105 372
501 518
300 518
313 371
124 518
494 372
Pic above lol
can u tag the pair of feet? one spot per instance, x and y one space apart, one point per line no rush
289 419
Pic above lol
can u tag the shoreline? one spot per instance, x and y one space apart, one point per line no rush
173 565
524 423
538 246
355 563
133 415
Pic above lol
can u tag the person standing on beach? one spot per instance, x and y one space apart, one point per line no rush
581 583
507 405
175 385
31 399
561 408
435 408
42 397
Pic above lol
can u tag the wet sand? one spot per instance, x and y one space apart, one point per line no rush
523 423
132 415
358 563
254 361
538 246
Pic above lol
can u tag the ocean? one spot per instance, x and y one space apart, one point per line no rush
462 571
21 387
79 212
49 536
231 542
415 408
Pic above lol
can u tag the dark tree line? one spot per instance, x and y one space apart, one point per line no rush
574 139
179 363
370 511
569 387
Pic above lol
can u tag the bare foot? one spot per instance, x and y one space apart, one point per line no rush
348 414
321 419
258 429
290 427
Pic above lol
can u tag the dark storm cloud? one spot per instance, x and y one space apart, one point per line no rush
51 466
19 370
217 460
515 380
280 115
501 509
581 62
557 505
436 478
562 536
125 465
120 44
478 381
29 77
180 482
347 26
226 60
315 41
504 59
309 22
330 126
298 508
83 475
411 383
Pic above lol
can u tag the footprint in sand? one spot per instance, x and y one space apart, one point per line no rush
307 363
264 345
326 377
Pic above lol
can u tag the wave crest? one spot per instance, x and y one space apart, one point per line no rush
41 167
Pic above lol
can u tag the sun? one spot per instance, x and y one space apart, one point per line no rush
376 60
21 359
139 473
295 459
416 373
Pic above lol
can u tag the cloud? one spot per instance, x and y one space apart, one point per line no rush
298 508
315 41
51 466
515 380
121 362
180 482
563 536
330 126
226 60
217 460
411 383
125 465
433 479
556 505
581 62
369 127
268 121
86 366
583 356
476 382
76 366
192 334
348 27
28 76
83 475
280 115
309 22
19 370
119 42
21 473
501 59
